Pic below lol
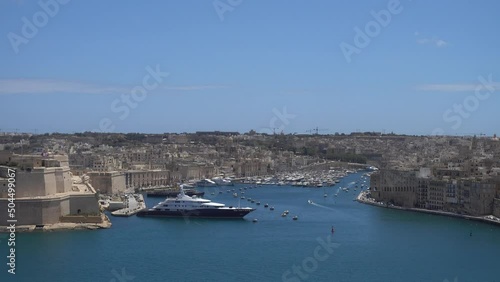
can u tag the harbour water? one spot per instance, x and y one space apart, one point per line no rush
369 244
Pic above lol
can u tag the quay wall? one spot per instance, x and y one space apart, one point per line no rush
362 199
80 219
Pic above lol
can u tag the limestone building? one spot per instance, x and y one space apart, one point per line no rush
45 190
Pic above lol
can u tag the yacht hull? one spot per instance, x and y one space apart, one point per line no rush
198 213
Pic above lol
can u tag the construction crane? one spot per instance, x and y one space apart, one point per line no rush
316 130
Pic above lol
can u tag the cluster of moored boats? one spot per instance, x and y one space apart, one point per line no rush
266 205
285 213
216 181
303 179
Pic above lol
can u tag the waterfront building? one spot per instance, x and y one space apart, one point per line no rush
46 191
451 193
109 183
135 179
251 167
191 171
397 187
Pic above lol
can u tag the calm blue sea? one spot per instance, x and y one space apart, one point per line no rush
369 244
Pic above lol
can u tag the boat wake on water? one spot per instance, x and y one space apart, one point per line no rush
337 211
318 205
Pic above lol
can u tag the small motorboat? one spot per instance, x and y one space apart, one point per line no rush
295 218
271 208
266 205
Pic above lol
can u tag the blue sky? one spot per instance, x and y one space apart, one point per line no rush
425 67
